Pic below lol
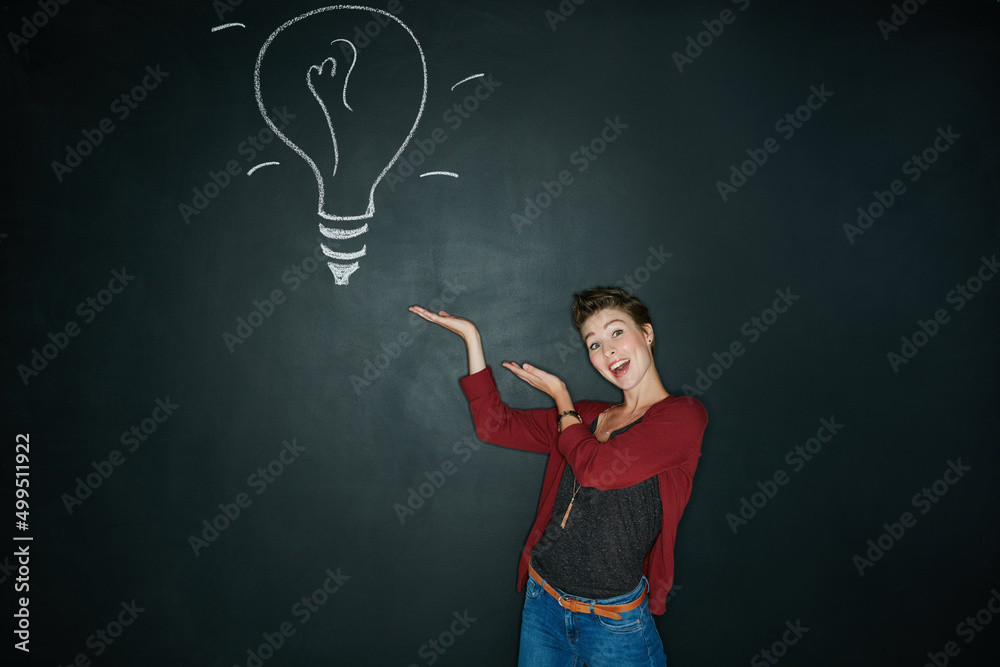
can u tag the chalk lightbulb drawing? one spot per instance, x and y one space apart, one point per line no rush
322 82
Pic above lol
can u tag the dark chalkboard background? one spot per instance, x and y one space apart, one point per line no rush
223 316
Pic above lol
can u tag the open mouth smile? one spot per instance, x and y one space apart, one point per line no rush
619 368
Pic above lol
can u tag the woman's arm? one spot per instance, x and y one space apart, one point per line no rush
669 436
496 423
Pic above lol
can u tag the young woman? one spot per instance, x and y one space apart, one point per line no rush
599 558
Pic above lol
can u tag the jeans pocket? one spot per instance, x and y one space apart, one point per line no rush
534 589
630 621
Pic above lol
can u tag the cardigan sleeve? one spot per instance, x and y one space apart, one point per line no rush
668 436
530 430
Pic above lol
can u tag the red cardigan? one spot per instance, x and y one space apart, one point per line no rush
666 443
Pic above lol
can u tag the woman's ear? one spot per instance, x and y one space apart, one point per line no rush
647 330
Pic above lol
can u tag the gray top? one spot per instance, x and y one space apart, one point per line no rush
599 553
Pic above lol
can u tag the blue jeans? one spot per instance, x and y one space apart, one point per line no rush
552 636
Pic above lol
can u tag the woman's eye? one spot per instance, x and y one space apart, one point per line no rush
617 331
594 346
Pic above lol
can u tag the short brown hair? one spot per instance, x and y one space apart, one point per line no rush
596 299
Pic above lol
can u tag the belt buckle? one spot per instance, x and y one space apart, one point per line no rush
564 602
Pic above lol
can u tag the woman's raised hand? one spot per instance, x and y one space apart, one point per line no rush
459 325
464 328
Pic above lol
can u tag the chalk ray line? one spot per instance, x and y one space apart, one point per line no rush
258 166
468 78
439 173
227 25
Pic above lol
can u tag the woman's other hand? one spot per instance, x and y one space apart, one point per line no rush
539 379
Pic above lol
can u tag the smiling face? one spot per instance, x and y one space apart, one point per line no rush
619 349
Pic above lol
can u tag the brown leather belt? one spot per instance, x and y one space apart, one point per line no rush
607 610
